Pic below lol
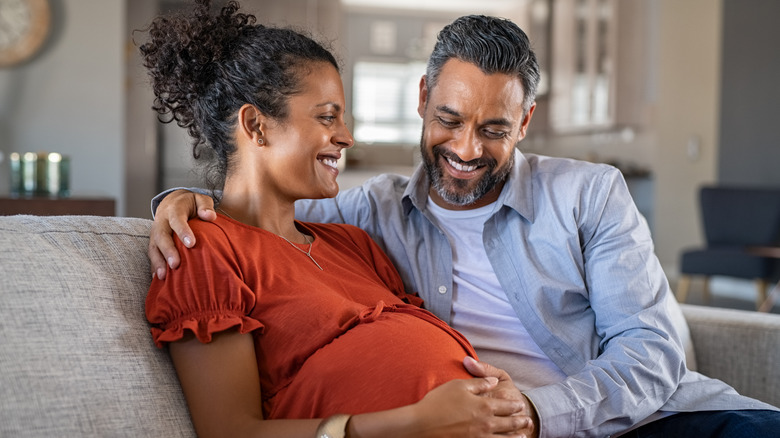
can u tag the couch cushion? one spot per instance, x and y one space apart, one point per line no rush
76 355
740 347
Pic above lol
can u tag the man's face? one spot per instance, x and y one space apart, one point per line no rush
471 123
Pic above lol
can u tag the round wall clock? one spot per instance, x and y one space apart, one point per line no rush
24 25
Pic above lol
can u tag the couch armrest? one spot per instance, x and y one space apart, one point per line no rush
740 347
76 355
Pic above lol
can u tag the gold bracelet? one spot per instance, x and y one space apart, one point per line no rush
333 427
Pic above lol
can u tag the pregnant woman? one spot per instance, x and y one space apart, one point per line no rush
274 324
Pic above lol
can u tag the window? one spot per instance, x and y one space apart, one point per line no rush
385 102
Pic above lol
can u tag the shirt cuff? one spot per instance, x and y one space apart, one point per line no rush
558 415
160 196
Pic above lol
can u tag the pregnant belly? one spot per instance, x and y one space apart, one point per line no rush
391 358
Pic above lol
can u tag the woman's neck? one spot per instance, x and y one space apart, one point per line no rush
260 209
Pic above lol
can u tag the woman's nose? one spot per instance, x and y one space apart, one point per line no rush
343 138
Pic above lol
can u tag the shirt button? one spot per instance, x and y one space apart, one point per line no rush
442 289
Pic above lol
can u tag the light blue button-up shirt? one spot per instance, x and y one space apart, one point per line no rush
577 263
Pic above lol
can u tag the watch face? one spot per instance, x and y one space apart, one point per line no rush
24 25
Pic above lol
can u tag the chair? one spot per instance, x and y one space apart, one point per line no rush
738 223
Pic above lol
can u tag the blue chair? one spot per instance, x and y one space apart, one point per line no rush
740 224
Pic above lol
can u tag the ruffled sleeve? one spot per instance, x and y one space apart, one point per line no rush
205 294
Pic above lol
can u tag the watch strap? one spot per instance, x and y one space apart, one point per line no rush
334 426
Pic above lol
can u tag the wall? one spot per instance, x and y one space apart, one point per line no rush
70 98
749 140
686 121
141 126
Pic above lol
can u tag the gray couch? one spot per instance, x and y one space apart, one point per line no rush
77 359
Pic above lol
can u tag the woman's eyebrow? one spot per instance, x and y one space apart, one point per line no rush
335 105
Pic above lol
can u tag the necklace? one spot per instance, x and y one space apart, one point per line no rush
305 237
308 253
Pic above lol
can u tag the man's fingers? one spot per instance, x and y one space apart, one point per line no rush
480 385
181 206
205 207
180 226
505 408
474 367
172 215
162 237
505 389
156 261
508 418
159 247
207 214
482 369
515 426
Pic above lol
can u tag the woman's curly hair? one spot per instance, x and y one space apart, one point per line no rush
204 67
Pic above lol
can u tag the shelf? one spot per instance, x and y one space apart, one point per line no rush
44 206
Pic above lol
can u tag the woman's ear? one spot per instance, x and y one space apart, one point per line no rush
250 124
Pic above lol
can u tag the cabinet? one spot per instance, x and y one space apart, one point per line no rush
584 39
43 206
603 56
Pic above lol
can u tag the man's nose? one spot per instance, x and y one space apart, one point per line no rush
467 146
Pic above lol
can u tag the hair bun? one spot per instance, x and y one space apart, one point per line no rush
185 50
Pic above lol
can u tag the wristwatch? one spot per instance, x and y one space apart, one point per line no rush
333 427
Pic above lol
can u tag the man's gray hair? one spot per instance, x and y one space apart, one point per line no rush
495 45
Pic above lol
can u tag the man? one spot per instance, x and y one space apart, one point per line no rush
543 263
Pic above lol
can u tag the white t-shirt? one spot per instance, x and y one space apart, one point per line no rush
480 308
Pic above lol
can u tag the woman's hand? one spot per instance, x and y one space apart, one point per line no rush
172 215
459 408
506 389
464 408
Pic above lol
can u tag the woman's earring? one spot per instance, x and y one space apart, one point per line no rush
260 140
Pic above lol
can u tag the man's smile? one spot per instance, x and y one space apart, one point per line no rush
461 167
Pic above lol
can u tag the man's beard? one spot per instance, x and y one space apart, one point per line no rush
455 191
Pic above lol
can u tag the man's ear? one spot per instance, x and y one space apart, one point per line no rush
527 121
423 101
250 124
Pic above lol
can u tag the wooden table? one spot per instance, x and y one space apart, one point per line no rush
774 253
54 206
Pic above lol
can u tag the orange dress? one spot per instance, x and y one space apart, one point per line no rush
345 339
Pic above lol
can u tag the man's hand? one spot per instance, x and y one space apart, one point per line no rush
172 215
506 389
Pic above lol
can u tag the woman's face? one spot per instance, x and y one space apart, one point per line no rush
306 146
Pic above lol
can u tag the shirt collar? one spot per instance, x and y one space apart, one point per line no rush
517 193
